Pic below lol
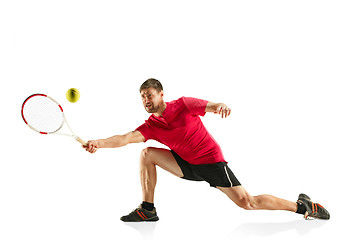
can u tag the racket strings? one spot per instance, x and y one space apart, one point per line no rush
43 114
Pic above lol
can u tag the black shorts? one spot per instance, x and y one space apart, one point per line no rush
217 174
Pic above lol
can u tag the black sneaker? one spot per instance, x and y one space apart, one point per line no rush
313 210
303 196
141 215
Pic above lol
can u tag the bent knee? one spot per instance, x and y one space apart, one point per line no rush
147 155
145 152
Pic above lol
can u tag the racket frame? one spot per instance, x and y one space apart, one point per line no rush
77 138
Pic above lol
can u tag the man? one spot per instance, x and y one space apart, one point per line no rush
193 155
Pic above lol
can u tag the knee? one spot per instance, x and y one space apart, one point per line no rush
145 155
246 203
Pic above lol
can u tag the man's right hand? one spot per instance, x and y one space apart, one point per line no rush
91 146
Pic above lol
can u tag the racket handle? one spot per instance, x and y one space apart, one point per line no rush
80 141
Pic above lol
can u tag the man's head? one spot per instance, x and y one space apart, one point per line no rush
152 94
152 83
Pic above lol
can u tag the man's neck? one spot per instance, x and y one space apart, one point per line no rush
161 109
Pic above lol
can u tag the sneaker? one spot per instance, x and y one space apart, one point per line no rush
303 196
141 215
313 210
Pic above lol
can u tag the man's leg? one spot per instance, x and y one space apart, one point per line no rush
150 157
244 200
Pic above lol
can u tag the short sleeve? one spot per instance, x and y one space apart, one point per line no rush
195 106
145 131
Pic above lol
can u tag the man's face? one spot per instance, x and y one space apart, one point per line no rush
151 99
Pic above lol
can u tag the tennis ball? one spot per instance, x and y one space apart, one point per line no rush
73 95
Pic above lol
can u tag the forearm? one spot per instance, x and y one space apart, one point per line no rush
213 107
113 142
218 108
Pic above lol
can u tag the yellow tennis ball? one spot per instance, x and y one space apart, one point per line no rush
73 95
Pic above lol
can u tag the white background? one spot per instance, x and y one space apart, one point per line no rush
289 70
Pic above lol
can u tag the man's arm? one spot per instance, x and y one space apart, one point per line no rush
114 141
218 108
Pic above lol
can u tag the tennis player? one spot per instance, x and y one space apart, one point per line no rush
193 155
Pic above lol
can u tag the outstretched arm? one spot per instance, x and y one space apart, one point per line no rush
218 108
114 141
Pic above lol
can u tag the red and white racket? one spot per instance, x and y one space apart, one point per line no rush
44 115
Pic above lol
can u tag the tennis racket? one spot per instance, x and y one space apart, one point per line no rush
45 116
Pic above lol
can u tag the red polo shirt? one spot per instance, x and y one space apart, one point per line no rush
181 129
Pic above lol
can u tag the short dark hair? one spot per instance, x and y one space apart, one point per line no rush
152 83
